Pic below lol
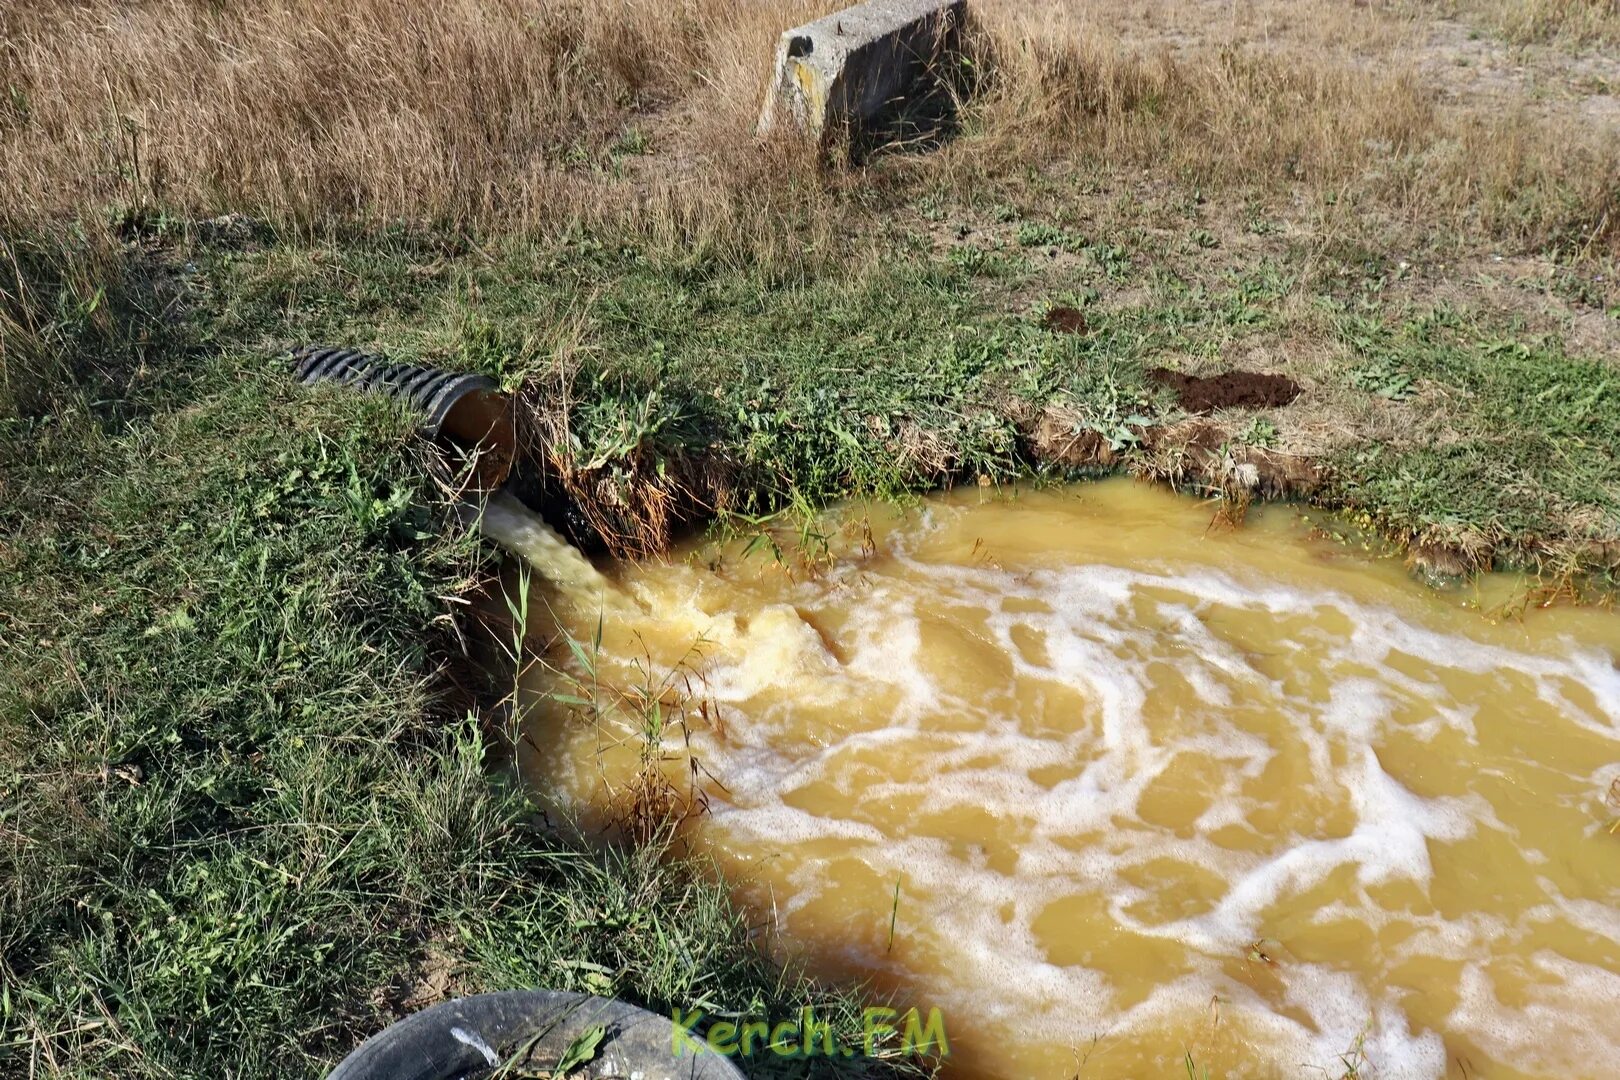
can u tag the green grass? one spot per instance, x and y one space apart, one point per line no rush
913 368
893 377
245 819
1532 442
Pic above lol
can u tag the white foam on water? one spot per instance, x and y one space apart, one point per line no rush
1087 835
1537 1034
1338 1003
1598 919
774 649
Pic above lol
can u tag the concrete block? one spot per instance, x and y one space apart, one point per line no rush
857 63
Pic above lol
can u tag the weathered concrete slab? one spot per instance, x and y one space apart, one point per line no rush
857 63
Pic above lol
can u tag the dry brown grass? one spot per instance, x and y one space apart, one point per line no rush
487 114
466 113
1362 137
1577 22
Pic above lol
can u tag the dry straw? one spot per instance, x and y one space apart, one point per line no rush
499 114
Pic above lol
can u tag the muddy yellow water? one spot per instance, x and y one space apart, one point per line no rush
1147 789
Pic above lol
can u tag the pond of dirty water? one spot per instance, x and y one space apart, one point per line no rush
1115 790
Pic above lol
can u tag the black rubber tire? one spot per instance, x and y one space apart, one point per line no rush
458 1039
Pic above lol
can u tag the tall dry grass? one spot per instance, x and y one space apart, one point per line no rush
485 114
462 111
1577 22
1372 135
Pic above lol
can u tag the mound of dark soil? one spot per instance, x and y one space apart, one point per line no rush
1063 319
1228 390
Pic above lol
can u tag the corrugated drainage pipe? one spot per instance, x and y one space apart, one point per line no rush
467 410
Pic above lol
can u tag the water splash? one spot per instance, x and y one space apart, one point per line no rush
523 533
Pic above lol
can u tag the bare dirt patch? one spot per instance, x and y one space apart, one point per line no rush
1229 390
1063 319
1478 70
